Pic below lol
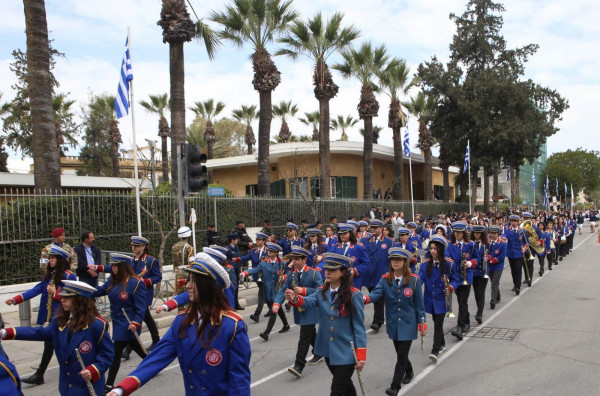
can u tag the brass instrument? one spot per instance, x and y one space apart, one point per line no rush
533 237
88 383
463 265
280 277
448 297
527 256
360 381
293 275
422 337
485 262
50 303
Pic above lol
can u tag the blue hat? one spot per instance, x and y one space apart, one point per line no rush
73 288
313 225
139 241
299 251
376 223
291 226
459 226
261 235
440 226
218 256
494 228
58 251
514 217
362 223
527 215
232 236
120 258
273 247
220 249
336 261
313 231
344 228
397 252
403 231
411 224
352 223
439 239
478 228
206 266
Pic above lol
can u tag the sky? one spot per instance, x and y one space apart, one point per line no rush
92 36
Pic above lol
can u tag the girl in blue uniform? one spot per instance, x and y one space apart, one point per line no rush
349 246
496 255
316 246
543 238
77 325
341 320
209 339
51 284
480 239
404 310
124 291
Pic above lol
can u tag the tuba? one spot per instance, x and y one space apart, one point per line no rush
533 237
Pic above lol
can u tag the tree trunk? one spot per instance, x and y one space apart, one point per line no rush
324 157
473 191
249 148
495 187
486 191
264 134
46 160
398 186
115 159
428 176
165 159
463 180
209 155
446 184
368 159
518 184
177 102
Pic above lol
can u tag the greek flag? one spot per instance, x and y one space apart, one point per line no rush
508 173
556 186
532 179
406 144
467 159
546 203
572 196
122 99
547 184
566 190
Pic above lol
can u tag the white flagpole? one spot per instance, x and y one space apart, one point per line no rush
135 165
470 193
412 200
533 175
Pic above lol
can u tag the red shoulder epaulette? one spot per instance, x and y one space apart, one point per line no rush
385 276
320 287
354 289
449 259
415 275
233 315
317 269
101 318
360 243
68 272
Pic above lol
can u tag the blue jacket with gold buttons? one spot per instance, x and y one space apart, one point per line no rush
270 270
311 280
434 295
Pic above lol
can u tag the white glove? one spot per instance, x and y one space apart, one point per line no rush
242 275
2 334
364 299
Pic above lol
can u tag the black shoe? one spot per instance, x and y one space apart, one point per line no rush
264 336
541 273
560 258
514 288
392 391
238 308
107 389
478 319
315 360
466 328
529 283
35 379
267 315
126 353
254 317
287 307
407 378
433 356
492 305
549 268
525 281
284 329
296 371
375 327
517 291
458 333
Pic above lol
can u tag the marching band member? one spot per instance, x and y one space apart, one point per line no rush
256 255
77 324
57 270
304 280
461 251
515 248
362 227
316 246
10 383
273 274
529 263
124 291
349 246
330 239
552 242
405 313
562 237
440 230
544 240
480 243
377 247
436 270
209 339
496 255
340 309
413 238
403 242
292 239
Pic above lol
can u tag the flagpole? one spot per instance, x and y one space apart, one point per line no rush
470 193
135 164
533 185
412 200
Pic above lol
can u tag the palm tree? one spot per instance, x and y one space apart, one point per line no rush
159 104
4 108
208 110
365 64
62 112
343 124
179 28
46 160
376 130
313 119
394 82
423 107
318 41
247 114
259 22
283 111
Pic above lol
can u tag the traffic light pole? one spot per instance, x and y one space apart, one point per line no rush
180 187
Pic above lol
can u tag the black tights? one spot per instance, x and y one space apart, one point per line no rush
403 364
341 383
46 356
273 317
116 364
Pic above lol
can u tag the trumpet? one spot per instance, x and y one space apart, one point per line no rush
485 263
293 275
50 303
463 265
448 297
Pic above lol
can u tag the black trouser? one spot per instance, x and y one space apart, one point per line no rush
495 278
550 258
542 260
479 286
261 299
272 318
516 267
570 239
462 296
438 332
530 269
562 249
403 364
378 309
308 335
116 364
46 357
152 327
341 383
237 289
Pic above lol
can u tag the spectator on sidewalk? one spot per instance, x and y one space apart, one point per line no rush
87 254
212 236
58 236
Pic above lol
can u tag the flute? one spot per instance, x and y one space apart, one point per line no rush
87 382
137 337
360 381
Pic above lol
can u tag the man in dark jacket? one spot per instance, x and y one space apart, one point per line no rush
87 254
212 236
244 242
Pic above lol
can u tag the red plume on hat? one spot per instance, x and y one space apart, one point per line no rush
58 231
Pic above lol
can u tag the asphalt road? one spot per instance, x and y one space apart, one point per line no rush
555 352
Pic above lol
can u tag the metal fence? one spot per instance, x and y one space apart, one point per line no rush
26 220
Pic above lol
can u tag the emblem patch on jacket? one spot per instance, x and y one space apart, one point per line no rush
214 357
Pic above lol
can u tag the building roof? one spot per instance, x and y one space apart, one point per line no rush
71 181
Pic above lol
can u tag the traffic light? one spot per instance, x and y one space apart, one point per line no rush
196 171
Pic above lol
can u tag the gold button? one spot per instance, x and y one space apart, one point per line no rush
68 373
399 309
332 318
331 308
190 371
203 371
191 386
331 328
330 338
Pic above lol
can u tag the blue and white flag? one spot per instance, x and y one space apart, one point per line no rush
566 190
532 179
557 186
122 98
547 184
546 204
572 196
467 159
508 173
406 143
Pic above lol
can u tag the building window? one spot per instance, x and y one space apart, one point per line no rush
479 182
298 187
346 186
251 190
315 183
278 188
438 192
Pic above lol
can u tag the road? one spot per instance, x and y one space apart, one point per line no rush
555 352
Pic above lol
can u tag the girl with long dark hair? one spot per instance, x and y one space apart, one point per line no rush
479 238
349 246
51 284
340 308
316 246
544 241
209 339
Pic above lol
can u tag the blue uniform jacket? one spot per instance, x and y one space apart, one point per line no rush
498 253
40 288
222 370
415 241
152 275
310 260
286 244
514 242
270 272
337 326
426 234
311 280
404 308
359 255
467 250
233 251
94 344
330 241
434 296
478 253
377 249
544 239
133 299
255 256
10 383
184 298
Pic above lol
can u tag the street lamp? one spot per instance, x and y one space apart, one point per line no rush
152 146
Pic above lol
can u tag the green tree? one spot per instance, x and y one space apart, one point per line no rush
318 41
66 128
284 111
159 104
257 23
247 114
4 108
208 110
229 136
342 124
312 119
580 167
